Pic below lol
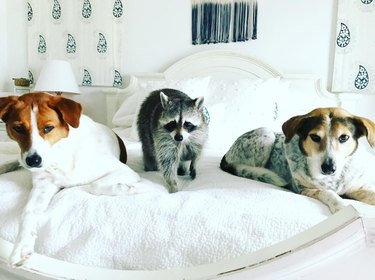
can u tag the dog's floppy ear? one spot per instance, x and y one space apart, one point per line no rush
366 128
70 110
5 104
300 125
291 126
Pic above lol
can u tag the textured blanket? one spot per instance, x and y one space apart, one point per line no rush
215 217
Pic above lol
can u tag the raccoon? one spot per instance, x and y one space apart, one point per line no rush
173 129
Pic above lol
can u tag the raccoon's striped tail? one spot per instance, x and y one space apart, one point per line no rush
252 172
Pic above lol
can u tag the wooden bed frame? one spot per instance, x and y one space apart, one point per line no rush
340 247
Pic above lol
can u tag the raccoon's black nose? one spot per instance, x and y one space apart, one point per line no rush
178 137
328 167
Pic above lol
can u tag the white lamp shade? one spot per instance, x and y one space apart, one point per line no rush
57 76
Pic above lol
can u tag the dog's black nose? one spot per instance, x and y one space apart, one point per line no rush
34 160
328 167
178 137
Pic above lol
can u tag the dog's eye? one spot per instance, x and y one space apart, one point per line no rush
343 138
170 126
315 138
19 128
189 126
48 129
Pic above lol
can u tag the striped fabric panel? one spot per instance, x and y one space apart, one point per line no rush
223 21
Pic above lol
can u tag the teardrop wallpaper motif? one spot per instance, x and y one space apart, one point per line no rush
362 79
343 39
117 81
102 44
86 9
117 9
71 44
31 77
82 32
29 12
87 81
42 46
354 57
56 10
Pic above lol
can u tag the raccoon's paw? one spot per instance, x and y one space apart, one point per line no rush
151 166
172 186
181 171
172 189
193 174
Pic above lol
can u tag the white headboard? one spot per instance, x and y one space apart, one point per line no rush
220 63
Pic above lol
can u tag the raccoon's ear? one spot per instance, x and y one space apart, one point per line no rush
163 99
199 102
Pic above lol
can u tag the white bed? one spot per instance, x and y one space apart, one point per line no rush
218 225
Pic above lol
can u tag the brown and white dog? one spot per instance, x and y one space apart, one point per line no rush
62 148
319 155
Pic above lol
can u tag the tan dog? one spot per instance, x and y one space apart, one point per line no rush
62 148
318 155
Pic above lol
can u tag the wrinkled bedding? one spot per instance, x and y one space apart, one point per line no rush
214 217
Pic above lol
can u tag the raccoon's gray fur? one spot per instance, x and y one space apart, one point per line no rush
173 129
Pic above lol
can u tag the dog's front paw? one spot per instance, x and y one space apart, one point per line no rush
20 254
98 188
121 188
337 206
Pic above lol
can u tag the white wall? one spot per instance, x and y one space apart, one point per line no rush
295 36
3 45
13 51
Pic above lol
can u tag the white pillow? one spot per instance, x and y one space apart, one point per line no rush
238 106
126 116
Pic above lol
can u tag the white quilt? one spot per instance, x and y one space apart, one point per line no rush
215 217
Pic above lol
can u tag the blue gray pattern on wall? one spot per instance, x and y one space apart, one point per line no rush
223 21
354 61
82 32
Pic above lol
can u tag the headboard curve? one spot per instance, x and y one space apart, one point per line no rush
219 63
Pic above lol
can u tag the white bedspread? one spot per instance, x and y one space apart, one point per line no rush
215 217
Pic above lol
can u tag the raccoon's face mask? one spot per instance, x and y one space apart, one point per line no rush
181 117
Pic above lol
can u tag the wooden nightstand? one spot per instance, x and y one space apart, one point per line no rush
21 90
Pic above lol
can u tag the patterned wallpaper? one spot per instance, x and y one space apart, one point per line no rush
87 33
354 61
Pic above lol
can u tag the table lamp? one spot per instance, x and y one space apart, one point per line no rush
57 77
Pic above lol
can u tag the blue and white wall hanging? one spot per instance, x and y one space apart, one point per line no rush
87 33
223 21
354 61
